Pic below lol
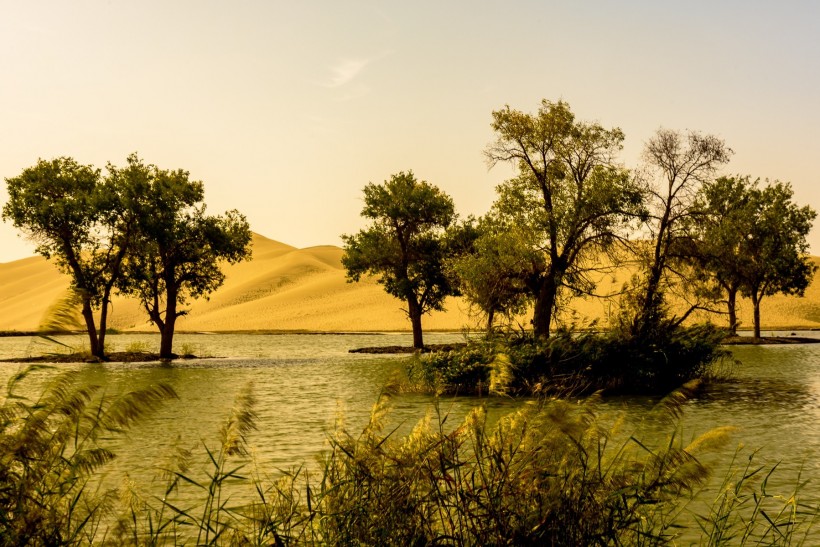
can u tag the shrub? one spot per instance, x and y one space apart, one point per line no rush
574 364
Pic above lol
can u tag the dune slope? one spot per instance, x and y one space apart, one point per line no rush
285 288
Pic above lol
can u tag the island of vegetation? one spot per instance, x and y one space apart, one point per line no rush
571 214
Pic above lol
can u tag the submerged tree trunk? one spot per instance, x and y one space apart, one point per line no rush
414 311
166 345
490 321
104 318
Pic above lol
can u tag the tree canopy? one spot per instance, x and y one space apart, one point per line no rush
676 165
178 248
79 219
570 196
405 245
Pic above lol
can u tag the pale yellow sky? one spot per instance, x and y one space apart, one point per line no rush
287 109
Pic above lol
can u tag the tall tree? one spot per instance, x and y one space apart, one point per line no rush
726 210
179 249
404 245
677 165
776 248
79 220
570 194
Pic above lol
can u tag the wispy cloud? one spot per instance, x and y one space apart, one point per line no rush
345 71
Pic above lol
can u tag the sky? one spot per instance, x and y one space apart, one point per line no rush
286 110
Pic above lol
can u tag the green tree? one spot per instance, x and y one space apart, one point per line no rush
405 244
570 195
776 247
178 249
677 165
490 271
79 219
725 216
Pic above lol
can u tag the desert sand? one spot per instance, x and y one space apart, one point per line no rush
288 289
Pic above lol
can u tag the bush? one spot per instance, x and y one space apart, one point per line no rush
574 364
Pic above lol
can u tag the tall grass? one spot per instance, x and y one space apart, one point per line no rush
50 449
555 472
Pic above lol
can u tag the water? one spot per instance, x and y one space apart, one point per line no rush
302 382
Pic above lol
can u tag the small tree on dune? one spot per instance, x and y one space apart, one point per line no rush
405 245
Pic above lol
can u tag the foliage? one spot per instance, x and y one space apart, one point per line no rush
552 473
465 371
571 198
79 219
405 245
569 363
490 274
178 249
49 451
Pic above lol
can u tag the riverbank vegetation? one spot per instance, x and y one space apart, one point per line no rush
555 472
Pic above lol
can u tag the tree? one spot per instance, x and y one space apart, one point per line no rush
725 216
753 241
570 195
776 248
680 164
178 248
77 218
405 244
490 271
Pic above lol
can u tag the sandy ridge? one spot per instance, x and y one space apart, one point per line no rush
286 288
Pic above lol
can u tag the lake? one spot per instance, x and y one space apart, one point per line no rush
303 381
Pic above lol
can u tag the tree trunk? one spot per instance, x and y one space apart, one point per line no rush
490 320
93 340
756 305
414 311
544 304
104 319
166 345
731 303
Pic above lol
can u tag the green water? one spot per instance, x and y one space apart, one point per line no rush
302 382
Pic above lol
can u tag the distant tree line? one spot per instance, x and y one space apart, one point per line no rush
138 230
573 212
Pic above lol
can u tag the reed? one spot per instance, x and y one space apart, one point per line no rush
50 449
554 472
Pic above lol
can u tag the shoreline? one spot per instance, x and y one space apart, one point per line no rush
385 332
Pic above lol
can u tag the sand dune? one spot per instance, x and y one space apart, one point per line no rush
285 288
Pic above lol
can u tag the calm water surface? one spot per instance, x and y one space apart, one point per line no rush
302 382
